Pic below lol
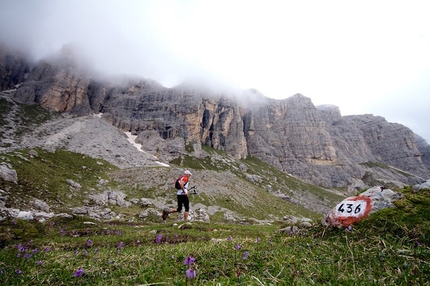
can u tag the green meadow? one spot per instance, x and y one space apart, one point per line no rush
390 247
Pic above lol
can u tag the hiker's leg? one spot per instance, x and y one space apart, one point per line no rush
187 207
179 209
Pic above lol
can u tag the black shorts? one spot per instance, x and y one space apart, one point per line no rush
183 200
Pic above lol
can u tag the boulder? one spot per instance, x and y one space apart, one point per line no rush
425 185
73 184
40 205
7 173
144 202
100 199
150 212
200 214
356 208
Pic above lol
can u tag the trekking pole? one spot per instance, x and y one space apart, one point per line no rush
194 188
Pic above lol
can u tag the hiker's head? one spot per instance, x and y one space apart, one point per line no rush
187 173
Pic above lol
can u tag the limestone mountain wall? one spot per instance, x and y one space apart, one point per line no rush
316 144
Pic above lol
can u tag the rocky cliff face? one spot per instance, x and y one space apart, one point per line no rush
315 144
57 84
14 68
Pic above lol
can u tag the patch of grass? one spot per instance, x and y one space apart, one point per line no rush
31 115
25 117
46 176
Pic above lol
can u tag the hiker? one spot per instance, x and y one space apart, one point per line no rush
182 195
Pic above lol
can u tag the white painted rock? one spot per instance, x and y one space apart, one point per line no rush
356 208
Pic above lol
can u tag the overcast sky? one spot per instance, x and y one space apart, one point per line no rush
366 57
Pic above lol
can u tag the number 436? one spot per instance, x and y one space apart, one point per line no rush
349 208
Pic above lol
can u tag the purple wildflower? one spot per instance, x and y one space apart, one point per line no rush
237 247
245 255
229 238
258 239
76 252
191 273
349 228
39 262
27 255
79 272
19 272
96 250
158 239
85 252
120 245
47 249
35 250
189 260
89 242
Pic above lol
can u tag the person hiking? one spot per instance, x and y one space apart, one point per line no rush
182 196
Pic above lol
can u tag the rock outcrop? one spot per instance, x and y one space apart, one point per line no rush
316 144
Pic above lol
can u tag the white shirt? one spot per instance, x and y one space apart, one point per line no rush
180 192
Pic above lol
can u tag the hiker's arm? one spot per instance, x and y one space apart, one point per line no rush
182 184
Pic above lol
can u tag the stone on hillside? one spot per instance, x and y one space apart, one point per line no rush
118 198
229 217
100 199
425 185
7 173
289 230
80 210
356 208
42 216
40 205
254 178
299 221
25 215
149 213
145 202
33 154
186 225
200 215
110 197
73 184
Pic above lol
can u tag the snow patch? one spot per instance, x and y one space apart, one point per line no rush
132 139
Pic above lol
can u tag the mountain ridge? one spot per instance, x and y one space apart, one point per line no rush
314 143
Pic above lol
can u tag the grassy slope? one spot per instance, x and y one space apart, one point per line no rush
391 247
44 176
